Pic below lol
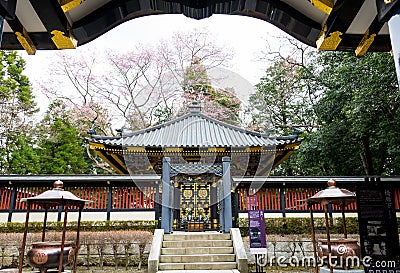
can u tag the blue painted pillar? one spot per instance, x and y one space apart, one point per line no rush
227 196
221 203
1 28
394 27
166 197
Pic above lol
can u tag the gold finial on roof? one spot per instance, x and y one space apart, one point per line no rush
58 185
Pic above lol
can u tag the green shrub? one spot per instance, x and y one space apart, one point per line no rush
286 226
272 226
85 226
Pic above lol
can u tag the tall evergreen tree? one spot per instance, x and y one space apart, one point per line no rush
359 114
280 103
352 104
61 148
17 107
219 103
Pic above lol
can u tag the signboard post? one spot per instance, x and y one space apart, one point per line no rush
379 237
258 238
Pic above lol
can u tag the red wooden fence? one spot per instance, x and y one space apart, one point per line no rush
267 199
122 197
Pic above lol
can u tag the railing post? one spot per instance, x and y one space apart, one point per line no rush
236 208
283 201
13 202
109 202
60 209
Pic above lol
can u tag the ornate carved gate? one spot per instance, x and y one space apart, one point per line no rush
196 197
197 209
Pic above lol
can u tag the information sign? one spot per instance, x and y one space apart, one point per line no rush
378 226
258 239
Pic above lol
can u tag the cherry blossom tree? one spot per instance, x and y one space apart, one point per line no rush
134 89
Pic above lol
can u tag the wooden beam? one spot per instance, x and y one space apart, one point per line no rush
67 5
7 9
109 160
338 22
329 41
369 36
26 42
387 8
55 22
118 159
22 36
323 5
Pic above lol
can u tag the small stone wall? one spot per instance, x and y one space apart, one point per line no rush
122 248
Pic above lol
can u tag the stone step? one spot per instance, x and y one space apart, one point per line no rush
197 266
197 250
197 243
196 236
197 258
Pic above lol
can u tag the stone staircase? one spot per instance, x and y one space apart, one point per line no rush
197 252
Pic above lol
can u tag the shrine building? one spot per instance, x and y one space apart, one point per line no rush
196 156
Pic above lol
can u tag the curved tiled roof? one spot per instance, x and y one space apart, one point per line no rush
194 130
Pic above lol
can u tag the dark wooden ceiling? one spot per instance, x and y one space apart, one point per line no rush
356 25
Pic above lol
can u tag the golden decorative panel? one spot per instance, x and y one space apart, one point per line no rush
329 43
365 43
323 5
187 193
26 42
67 5
62 41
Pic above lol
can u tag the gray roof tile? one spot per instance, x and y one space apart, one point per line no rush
194 130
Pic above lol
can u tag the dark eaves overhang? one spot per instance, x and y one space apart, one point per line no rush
358 25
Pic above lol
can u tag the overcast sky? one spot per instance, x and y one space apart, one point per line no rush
247 36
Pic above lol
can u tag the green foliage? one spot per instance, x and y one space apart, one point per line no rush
24 159
295 225
17 107
359 114
219 103
280 102
92 226
54 146
61 148
353 112
162 114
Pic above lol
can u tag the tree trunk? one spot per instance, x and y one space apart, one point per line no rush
366 157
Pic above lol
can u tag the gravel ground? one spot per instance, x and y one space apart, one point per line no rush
84 269
110 270
144 270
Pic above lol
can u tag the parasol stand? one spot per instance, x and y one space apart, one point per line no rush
45 254
336 196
